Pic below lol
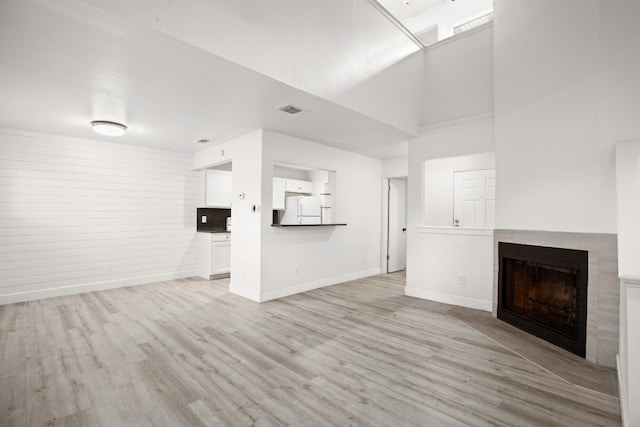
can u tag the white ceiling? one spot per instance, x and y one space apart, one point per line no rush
402 11
64 63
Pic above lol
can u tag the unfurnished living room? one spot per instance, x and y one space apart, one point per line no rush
362 212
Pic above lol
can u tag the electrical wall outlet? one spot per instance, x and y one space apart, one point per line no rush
461 279
297 270
204 219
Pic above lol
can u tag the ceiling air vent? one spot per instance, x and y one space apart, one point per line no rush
291 109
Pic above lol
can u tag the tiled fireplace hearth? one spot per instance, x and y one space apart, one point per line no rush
540 299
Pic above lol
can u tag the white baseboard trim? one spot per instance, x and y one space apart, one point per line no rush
91 287
244 292
477 304
315 284
622 390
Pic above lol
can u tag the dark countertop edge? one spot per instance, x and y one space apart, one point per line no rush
307 225
213 231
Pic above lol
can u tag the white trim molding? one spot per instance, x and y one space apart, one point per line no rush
478 304
244 292
629 350
456 231
315 284
91 287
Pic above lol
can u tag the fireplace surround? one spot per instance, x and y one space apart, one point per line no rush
603 298
543 290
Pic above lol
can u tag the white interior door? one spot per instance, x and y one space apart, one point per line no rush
397 225
474 198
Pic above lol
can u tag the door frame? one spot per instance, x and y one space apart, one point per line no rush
384 247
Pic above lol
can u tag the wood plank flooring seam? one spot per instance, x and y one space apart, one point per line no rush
538 365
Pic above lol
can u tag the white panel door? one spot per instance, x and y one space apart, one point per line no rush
474 198
397 226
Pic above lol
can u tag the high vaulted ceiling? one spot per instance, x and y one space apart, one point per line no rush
180 70
65 63
402 9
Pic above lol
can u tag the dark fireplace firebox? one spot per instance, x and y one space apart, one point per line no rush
543 291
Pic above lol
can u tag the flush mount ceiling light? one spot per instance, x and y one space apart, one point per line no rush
108 128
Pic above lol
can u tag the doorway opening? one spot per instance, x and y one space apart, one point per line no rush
396 224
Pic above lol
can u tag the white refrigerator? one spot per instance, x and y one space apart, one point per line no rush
302 210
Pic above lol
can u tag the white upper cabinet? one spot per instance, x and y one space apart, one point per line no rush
298 186
278 193
281 186
218 191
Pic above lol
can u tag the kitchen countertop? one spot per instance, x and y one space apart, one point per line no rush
215 230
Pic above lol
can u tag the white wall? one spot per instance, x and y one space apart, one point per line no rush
438 184
628 203
79 215
282 172
396 167
619 112
619 62
565 91
246 154
451 265
297 259
458 78
449 139
436 257
628 189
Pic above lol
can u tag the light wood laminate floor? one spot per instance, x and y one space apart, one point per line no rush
189 353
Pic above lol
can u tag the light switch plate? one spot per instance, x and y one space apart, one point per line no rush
204 219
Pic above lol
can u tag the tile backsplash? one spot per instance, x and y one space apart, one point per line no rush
212 219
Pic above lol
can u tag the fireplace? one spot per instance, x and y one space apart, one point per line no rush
543 291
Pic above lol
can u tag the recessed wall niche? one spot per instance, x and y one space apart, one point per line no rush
459 191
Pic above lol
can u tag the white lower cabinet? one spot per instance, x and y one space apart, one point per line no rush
221 253
214 255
